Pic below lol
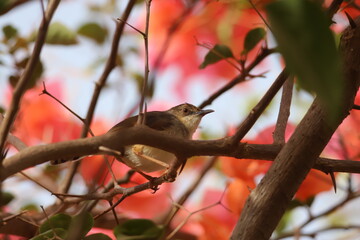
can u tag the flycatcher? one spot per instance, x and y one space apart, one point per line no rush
179 121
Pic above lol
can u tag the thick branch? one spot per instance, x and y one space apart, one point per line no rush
268 202
33 156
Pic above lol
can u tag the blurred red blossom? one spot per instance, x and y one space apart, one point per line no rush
10 237
209 22
349 134
345 144
248 169
107 232
145 204
217 215
43 120
351 7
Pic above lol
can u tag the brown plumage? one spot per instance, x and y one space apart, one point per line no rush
179 121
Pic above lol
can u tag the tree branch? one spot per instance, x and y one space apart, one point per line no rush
110 65
268 201
26 75
284 112
36 155
240 78
256 112
9 6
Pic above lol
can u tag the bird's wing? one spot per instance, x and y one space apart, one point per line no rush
157 120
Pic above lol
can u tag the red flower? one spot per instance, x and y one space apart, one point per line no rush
207 22
43 120
247 169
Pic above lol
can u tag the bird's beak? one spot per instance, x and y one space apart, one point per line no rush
204 112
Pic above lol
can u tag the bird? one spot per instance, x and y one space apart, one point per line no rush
179 121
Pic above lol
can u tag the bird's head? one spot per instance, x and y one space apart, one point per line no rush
189 115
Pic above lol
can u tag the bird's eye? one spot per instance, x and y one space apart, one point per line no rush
185 110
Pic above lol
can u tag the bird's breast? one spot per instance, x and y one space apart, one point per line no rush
147 159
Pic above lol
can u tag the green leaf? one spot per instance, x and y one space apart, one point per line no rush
4 5
60 220
93 31
81 224
139 79
253 37
97 236
6 197
30 207
284 222
301 29
19 44
217 53
9 31
38 71
138 229
299 203
60 34
56 233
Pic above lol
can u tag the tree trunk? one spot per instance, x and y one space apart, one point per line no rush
268 202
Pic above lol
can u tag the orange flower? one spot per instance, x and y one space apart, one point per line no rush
245 170
314 183
236 195
211 22
350 8
146 204
349 132
248 169
217 222
42 120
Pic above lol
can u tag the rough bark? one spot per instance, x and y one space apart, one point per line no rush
268 202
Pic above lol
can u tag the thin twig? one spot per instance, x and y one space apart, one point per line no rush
110 185
13 216
219 202
178 22
175 208
131 26
346 156
39 184
311 218
43 8
114 212
46 92
260 15
122 198
284 112
146 68
110 65
218 54
108 165
27 74
256 112
240 78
